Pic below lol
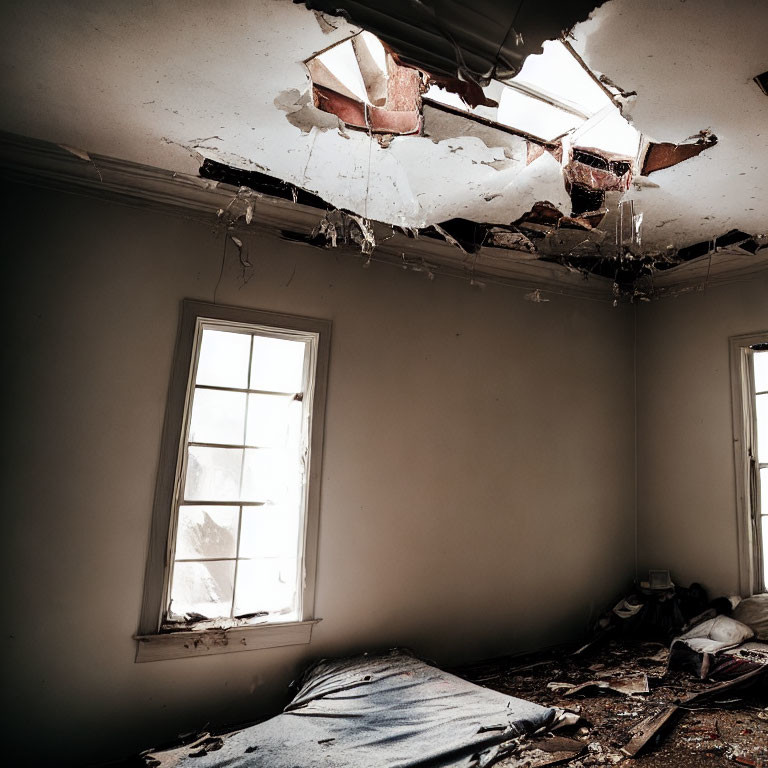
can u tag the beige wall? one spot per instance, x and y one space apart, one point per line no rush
477 485
687 489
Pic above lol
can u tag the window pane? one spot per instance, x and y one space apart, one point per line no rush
765 546
217 417
278 364
213 474
762 427
266 585
764 492
223 360
761 371
270 475
206 532
204 588
274 421
269 531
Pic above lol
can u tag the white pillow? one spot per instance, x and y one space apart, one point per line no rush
716 635
753 611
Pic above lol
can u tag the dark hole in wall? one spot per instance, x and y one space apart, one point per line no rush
260 182
584 199
541 218
469 234
734 237
310 238
592 159
624 272
762 82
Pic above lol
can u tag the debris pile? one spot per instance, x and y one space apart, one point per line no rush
637 700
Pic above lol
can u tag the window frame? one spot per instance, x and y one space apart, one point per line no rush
748 502
153 642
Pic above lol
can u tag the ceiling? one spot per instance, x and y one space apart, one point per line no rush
166 86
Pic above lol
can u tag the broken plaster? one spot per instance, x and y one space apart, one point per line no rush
300 112
429 193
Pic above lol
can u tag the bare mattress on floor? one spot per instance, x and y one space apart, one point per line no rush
385 710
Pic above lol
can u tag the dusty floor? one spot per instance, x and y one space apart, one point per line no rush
729 730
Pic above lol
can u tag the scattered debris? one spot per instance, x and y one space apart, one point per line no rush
677 716
628 685
535 296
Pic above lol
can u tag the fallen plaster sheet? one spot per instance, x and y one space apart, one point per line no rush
385 710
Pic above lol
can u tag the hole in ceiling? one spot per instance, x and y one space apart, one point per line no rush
360 82
553 96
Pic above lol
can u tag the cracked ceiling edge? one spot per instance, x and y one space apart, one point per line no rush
46 165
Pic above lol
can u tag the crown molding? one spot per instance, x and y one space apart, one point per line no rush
50 166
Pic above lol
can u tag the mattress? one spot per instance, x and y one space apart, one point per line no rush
389 710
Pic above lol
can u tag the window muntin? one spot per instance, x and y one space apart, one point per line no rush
240 501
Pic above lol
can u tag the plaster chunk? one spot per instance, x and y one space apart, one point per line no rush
299 111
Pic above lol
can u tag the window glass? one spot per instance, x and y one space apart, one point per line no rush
206 532
240 506
761 411
217 417
277 365
761 371
223 360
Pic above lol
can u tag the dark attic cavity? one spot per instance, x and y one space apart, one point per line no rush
260 182
600 237
733 238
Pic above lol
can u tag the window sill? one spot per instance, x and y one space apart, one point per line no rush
180 645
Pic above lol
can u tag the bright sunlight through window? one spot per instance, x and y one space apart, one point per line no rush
760 362
240 502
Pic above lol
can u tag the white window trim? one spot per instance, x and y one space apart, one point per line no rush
750 545
152 644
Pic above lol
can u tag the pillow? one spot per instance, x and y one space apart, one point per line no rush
715 635
753 611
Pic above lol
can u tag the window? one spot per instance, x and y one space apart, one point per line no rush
234 534
749 376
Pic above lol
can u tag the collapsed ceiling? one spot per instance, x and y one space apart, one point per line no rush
236 92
